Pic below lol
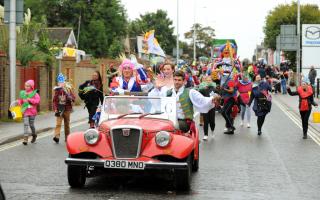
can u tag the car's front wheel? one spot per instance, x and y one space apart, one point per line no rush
76 176
183 177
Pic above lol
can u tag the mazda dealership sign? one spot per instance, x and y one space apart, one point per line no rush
311 35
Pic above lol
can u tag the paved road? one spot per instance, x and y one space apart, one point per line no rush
277 165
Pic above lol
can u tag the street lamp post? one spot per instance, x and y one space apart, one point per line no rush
177 31
194 32
12 50
298 41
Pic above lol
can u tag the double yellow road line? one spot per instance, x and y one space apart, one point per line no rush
312 132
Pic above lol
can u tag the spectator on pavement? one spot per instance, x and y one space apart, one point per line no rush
262 101
312 77
306 101
283 83
62 106
91 91
29 99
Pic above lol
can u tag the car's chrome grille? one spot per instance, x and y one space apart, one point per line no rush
126 142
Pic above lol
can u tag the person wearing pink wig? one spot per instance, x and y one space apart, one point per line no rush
29 99
128 80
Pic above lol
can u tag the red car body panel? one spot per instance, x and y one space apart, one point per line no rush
180 146
173 149
76 144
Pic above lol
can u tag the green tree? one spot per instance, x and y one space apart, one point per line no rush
204 37
159 22
102 22
285 14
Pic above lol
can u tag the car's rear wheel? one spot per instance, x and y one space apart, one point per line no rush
76 176
195 165
183 177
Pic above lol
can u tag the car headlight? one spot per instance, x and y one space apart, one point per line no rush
163 138
91 136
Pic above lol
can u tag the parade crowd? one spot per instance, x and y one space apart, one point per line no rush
224 85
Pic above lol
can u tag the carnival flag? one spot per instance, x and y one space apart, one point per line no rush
151 45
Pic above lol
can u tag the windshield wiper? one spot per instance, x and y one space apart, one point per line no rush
134 113
146 114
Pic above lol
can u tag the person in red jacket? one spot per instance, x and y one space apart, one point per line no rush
306 101
245 88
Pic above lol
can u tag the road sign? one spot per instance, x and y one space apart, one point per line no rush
287 40
288 30
19 12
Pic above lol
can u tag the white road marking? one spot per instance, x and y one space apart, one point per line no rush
311 132
40 136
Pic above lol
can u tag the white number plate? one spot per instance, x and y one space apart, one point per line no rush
124 164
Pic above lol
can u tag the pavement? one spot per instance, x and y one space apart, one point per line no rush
291 105
11 131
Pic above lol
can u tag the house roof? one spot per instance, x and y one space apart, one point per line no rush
59 33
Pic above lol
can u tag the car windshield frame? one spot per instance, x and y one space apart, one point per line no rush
166 110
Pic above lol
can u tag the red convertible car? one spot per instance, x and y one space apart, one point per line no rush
134 134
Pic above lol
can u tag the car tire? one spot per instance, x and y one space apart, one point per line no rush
76 176
183 177
195 165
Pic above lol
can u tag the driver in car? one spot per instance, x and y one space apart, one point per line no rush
187 99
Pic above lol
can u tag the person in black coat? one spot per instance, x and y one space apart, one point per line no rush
262 101
91 91
306 101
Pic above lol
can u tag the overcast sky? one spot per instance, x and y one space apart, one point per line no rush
242 20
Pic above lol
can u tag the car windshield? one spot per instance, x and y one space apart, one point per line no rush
130 106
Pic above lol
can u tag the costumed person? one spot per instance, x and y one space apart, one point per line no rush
128 81
62 106
164 80
91 92
208 88
29 99
306 101
244 87
111 72
262 101
228 87
187 99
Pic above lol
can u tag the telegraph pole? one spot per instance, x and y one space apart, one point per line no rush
177 31
12 50
298 45
194 32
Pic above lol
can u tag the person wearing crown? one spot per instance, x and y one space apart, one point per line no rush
62 106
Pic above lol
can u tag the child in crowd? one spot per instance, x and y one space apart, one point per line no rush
29 99
62 106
